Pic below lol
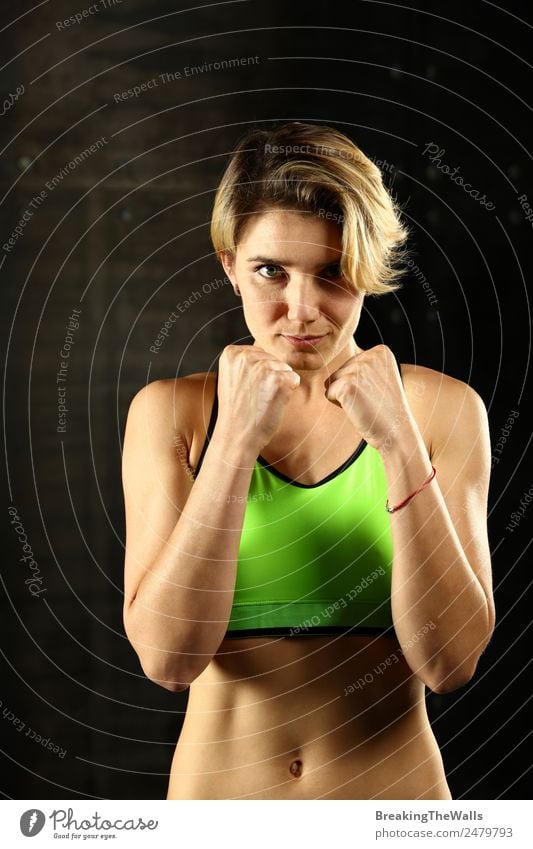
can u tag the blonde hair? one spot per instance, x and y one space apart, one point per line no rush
315 168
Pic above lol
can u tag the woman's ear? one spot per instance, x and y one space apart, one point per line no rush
228 262
226 259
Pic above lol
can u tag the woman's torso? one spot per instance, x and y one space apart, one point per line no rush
308 717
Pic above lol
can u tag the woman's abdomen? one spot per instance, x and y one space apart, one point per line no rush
229 757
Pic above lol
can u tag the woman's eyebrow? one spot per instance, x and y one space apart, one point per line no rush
271 261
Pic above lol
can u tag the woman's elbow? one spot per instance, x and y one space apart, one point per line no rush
457 672
168 683
448 684
173 679
453 677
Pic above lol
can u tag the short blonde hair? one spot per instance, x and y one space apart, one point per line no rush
317 169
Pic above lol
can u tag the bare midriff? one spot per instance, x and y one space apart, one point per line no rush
324 717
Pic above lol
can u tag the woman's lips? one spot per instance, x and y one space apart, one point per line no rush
304 341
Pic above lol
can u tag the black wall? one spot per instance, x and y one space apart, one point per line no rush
123 235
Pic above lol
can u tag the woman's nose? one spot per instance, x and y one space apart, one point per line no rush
302 303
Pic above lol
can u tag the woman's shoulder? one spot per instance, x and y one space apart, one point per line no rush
182 390
180 405
439 402
431 384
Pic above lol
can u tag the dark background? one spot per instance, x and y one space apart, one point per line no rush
125 236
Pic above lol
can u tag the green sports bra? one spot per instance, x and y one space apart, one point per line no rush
314 559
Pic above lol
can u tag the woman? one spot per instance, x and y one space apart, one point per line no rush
306 530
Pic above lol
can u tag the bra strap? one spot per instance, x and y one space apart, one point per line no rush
210 426
398 364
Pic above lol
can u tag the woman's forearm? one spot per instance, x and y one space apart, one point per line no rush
439 606
181 610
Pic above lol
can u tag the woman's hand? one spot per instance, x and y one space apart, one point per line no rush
369 389
253 390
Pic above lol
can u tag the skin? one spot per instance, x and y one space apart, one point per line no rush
307 297
278 717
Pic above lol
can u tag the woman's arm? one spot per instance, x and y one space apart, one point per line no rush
182 538
441 579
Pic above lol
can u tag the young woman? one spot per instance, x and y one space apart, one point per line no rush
306 529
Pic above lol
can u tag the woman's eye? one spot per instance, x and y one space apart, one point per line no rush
270 272
333 271
271 267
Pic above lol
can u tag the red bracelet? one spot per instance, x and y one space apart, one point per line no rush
402 503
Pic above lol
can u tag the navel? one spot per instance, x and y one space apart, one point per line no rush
296 768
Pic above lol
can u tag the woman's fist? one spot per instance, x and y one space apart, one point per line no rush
369 389
254 389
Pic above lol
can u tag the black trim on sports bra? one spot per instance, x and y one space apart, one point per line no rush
315 631
399 365
210 427
342 468
351 459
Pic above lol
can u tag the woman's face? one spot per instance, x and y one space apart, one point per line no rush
296 304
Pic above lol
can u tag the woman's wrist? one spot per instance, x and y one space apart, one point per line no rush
407 466
235 448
